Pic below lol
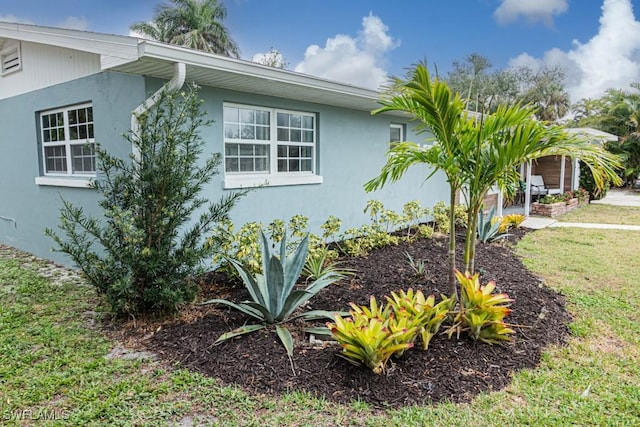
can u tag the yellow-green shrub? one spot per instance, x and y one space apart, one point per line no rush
371 335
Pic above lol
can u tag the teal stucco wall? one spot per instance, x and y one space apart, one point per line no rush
351 149
36 207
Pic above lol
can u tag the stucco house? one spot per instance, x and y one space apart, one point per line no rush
314 141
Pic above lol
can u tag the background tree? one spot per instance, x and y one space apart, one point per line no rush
481 88
196 24
273 58
484 89
144 250
545 91
616 112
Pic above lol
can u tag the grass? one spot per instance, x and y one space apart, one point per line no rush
603 214
52 364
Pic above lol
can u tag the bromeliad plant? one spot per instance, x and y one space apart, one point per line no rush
482 312
274 297
509 221
421 312
372 335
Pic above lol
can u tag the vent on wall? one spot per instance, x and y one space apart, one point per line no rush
10 60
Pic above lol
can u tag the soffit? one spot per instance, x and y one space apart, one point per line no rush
262 85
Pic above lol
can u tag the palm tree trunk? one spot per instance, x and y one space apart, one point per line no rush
470 244
453 289
472 223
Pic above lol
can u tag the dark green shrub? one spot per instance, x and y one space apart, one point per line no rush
143 253
588 183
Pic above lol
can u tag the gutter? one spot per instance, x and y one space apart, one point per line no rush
173 85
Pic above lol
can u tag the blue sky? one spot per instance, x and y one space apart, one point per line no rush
362 42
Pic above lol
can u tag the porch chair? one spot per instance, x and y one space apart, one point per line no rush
538 188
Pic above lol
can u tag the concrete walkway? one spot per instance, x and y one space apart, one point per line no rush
614 197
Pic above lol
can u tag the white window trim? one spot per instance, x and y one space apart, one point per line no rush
397 126
273 178
6 51
63 182
69 175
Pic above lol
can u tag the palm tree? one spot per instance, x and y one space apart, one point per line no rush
439 112
196 24
497 144
475 152
552 101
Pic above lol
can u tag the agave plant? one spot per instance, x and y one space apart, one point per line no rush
489 227
274 297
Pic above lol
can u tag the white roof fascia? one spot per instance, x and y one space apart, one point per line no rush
593 133
166 52
116 51
101 44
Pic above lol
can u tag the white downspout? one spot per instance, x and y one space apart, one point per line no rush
527 193
562 174
576 174
176 82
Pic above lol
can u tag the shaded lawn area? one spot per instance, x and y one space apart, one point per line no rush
52 357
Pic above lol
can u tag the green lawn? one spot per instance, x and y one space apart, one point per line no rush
603 214
52 361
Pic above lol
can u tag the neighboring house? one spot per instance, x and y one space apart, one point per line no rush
314 141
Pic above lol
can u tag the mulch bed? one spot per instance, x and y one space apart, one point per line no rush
451 369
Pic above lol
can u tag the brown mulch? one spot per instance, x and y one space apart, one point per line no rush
451 369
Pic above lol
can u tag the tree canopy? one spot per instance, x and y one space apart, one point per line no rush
616 112
196 24
484 89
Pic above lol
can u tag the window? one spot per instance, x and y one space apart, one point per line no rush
272 145
10 59
396 133
68 147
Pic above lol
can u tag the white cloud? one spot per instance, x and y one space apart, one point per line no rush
532 10
13 18
74 23
611 59
359 61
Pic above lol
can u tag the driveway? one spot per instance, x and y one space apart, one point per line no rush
620 197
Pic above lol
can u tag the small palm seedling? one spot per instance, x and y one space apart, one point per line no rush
321 264
274 297
481 312
419 266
